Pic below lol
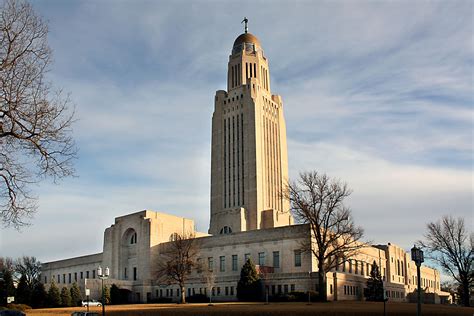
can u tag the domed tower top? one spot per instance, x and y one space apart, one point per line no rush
246 41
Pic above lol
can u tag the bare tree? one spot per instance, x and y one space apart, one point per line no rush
35 123
28 267
177 258
317 200
209 279
451 245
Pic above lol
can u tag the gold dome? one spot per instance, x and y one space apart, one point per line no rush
246 38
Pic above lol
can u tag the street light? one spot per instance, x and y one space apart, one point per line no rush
103 274
417 256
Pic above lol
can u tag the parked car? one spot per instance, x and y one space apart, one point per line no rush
91 303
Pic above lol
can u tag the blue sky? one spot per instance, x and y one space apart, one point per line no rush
378 94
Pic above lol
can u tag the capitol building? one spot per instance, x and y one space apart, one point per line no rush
249 218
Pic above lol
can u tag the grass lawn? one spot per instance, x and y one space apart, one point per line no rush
260 309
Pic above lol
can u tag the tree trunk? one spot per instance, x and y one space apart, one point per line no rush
322 282
183 295
465 292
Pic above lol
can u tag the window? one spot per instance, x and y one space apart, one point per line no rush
125 273
276 259
279 288
292 287
93 274
247 257
45 280
225 230
234 262
330 289
210 263
134 273
350 266
59 278
226 290
222 263
82 275
231 290
261 258
69 278
285 288
75 276
133 239
87 274
297 258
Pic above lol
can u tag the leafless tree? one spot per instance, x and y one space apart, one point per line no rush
28 267
177 259
209 279
35 122
317 200
449 243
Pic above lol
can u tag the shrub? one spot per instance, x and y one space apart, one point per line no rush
54 298
65 297
249 287
197 298
76 296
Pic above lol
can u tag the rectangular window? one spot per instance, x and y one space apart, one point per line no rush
82 275
247 257
134 273
218 290
261 258
177 293
64 278
330 289
222 263
279 288
87 274
292 287
226 291
210 263
69 278
297 258
285 288
234 263
93 274
59 279
125 274
45 280
75 276
231 290
276 259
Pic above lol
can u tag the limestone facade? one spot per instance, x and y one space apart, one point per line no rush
249 219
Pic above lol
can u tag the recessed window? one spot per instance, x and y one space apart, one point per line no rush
222 263
297 258
225 230
261 258
276 259
133 238
234 263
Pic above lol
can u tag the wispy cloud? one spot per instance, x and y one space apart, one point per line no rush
378 94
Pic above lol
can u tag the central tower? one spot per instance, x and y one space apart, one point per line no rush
249 164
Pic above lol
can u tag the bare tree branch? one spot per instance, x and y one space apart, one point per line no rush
317 200
35 122
177 259
449 243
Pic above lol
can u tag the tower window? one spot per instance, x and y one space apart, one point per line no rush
226 230
133 239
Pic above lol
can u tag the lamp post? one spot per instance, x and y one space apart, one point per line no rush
103 274
309 288
417 256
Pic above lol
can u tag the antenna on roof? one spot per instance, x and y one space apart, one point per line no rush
246 21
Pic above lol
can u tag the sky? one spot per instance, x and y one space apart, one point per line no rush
377 94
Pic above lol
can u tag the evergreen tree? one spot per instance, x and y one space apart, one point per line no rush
374 290
39 296
114 294
249 287
23 292
65 297
54 298
76 296
6 286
